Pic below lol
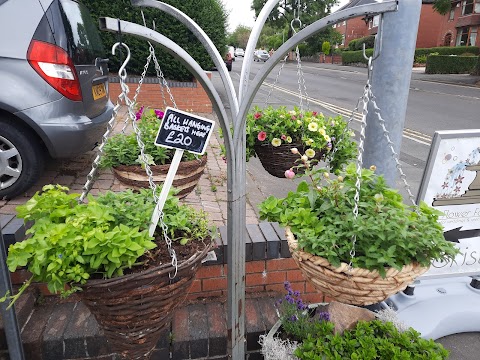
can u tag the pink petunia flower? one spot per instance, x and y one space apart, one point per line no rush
139 113
262 135
289 174
257 115
159 113
283 137
314 113
294 117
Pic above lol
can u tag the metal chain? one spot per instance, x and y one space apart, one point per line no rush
164 82
131 112
365 100
276 80
395 156
301 81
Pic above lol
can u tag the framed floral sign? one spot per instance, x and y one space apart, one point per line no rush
451 184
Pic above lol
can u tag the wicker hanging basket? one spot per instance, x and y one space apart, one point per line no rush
351 286
134 309
276 159
185 180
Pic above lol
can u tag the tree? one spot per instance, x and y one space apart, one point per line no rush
283 14
239 37
326 47
210 15
443 7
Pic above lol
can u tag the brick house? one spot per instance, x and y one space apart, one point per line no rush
458 28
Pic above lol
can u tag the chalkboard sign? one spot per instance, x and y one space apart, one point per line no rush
182 130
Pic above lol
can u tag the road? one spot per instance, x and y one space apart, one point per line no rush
335 90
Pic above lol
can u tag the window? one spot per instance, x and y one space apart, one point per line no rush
448 39
466 36
343 39
344 23
452 14
470 7
376 20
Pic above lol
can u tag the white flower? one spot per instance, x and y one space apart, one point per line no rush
313 126
292 112
294 150
310 153
276 142
304 158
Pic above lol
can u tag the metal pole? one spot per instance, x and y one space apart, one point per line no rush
390 84
9 317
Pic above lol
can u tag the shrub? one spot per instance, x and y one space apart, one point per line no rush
326 47
353 57
442 64
357 44
447 50
209 14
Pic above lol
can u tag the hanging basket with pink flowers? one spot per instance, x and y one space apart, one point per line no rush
272 134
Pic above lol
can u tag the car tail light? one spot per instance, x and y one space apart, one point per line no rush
54 65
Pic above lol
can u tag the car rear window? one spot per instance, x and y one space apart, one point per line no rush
82 33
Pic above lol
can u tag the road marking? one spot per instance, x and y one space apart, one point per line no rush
407 133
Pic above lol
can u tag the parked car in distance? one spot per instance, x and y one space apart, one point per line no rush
239 52
53 87
231 51
261 55
228 61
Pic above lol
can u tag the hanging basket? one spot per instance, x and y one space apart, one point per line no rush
355 286
134 309
276 159
185 180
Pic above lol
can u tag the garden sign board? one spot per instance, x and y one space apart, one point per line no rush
182 131
451 184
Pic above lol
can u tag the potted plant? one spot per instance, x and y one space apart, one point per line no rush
312 332
121 153
273 132
387 245
102 250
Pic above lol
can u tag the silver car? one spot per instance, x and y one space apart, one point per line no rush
53 87
261 55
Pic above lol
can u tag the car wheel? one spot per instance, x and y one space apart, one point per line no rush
21 159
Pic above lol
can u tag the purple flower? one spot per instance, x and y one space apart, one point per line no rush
289 299
296 293
139 113
293 318
329 145
286 285
325 316
332 138
159 113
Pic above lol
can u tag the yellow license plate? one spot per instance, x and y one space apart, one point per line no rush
98 91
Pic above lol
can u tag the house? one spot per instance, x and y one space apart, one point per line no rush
458 28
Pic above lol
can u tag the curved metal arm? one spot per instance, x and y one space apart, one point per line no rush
252 42
206 42
370 9
126 27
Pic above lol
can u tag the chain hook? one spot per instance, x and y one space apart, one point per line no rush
122 72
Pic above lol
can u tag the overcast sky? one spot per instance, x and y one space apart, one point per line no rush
240 13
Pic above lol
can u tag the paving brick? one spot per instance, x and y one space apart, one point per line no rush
97 344
53 334
217 329
75 332
259 244
32 335
23 309
160 354
181 335
254 326
198 324
273 241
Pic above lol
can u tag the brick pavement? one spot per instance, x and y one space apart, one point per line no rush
210 194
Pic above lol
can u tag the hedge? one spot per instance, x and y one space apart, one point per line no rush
357 44
352 57
209 14
445 64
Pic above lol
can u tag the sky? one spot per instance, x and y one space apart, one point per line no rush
240 13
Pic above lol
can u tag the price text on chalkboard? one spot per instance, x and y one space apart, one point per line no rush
182 130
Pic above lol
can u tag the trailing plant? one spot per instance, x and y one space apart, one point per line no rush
123 149
70 242
388 232
309 334
277 126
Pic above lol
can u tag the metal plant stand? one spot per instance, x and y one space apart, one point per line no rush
235 142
